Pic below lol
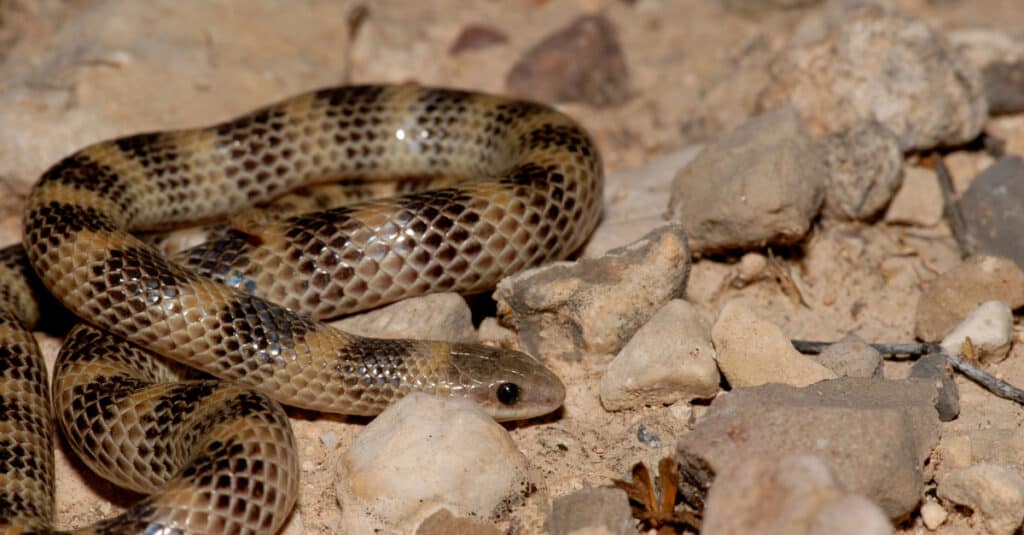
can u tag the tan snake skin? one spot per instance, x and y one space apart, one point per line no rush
218 456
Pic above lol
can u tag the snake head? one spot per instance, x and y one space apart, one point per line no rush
509 385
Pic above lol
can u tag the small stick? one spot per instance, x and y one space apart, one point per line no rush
989 382
951 209
813 348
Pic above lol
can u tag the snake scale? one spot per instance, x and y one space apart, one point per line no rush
511 184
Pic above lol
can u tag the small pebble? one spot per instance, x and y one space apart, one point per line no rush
329 439
933 515
476 37
852 357
670 359
990 328
647 437
751 267
752 351
935 368
443 316
994 492
602 510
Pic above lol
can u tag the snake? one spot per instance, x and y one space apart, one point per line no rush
172 382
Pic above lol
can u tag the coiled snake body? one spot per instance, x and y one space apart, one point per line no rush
514 184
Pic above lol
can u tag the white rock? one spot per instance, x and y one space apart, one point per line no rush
443 316
751 267
669 359
753 352
994 492
424 453
918 201
933 515
990 327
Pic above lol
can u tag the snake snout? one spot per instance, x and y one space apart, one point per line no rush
509 385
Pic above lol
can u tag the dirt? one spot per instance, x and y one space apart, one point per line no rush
694 71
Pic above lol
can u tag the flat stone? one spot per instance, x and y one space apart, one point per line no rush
752 351
670 359
947 299
935 368
760 184
919 200
602 510
875 434
443 522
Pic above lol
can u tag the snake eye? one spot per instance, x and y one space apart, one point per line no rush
508 393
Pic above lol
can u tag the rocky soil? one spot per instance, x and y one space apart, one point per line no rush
774 173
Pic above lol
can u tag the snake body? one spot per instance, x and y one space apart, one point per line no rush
514 184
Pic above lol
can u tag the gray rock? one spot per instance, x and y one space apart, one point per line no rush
795 495
852 357
582 62
604 510
993 210
566 309
875 434
950 297
935 368
857 61
762 183
865 168
670 359
994 492
383 483
1004 86
444 316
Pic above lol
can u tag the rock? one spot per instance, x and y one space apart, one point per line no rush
423 453
752 351
933 515
1004 81
990 327
1006 133
751 267
964 166
948 298
595 305
493 333
760 8
995 493
993 210
852 357
669 359
477 37
935 368
875 434
443 522
628 198
865 168
444 316
919 200
761 183
858 61
795 495
582 62
604 510
1002 446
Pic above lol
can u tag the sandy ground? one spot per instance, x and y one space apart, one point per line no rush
79 71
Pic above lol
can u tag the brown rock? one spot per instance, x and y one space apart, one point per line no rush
444 522
604 510
595 305
444 316
582 62
950 297
875 434
477 37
